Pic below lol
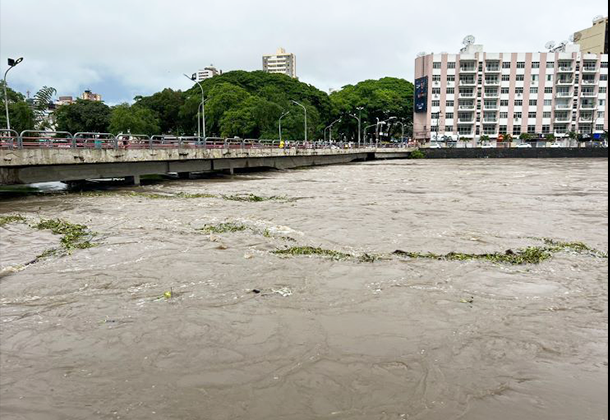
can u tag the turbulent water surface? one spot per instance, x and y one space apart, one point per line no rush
159 319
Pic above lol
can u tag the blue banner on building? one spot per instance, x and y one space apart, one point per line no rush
421 94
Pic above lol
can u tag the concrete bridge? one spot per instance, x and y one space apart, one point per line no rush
25 161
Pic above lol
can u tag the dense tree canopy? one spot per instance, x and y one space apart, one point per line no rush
83 116
20 113
238 103
133 119
380 99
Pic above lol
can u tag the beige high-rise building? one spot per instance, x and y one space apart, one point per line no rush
90 96
594 40
281 63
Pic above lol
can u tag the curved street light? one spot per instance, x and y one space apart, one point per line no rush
359 118
11 63
304 109
193 78
330 129
365 129
283 115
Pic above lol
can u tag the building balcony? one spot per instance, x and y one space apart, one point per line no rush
492 82
468 69
589 69
468 108
565 82
563 119
589 94
586 120
565 69
563 94
590 106
492 94
465 120
589 82
563 106
467 94
490 121
468 82
493 69
491 107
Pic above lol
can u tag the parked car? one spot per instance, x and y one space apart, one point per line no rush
524 146
434 145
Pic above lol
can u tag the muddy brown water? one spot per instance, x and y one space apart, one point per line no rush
90 335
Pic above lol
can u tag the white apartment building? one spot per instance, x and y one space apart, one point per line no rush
474 93
281 63
208 73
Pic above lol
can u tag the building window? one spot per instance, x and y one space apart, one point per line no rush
532 115
519 91
449 128
603 89
520 78
449 115
506 77
550 65
536 65
450 91
518 115
603 77
548 102
505 91
436 103
436 65
517 130
599 127
602 102
546 129
504 102
549 77
451 78
504 115
450 104
518 102
533 102
506 65
548 90
531 129
521 64
547 114
601 115
436 78
604 64
534 91
535 77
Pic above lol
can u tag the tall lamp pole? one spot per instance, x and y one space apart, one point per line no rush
193 78
304 109
11 63
365 129
359 118
283 115
330 130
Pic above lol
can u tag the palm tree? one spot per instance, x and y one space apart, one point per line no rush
42 99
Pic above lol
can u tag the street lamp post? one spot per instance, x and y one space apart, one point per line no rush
283 115
330 130
193 78
365 129
11 63
359 118
305 110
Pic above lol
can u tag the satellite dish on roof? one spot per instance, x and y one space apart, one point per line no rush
422 54
577 37
550 45
469 40
598 18
572 38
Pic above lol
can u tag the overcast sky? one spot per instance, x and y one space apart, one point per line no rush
124 48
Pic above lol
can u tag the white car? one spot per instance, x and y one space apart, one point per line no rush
488 146
555 145
524 146
435 146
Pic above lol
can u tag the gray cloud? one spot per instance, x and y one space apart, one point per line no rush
128 47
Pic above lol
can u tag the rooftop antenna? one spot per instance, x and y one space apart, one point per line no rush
422 54
598 18
550 45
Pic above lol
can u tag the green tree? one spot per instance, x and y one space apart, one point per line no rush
166 105
133 119
20 113
83 116
42 99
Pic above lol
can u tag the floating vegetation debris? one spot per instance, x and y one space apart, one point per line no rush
252 198
224 228
6 220
73 236
578 247
530 255
248 198
298 251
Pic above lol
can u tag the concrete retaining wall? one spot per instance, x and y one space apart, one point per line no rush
533 153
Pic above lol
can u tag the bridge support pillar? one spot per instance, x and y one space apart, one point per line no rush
133 180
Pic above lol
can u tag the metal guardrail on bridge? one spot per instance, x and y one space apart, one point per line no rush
38 139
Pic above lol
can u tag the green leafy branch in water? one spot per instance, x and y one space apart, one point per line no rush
231 227
247 198
7 220
73 236
529 255
251 198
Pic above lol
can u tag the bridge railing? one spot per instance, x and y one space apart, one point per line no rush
28 139
9 139
39 139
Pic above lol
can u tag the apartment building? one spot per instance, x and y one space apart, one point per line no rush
90 96
281 63
208 73
474 93
594 40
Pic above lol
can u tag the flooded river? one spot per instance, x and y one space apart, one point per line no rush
174 315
